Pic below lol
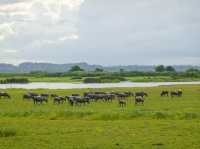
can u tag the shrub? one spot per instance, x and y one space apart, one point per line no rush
112 78
160 115
76 78
7 132
190 116
14 80
92 80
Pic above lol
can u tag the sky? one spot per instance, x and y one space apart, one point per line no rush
106 32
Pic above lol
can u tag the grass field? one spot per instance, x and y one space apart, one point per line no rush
159 79
162 123
48 79
54 79
131 79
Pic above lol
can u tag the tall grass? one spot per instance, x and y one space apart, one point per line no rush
7 132
94 115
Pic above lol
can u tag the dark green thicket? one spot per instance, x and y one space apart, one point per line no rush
14 80
7 132
100 76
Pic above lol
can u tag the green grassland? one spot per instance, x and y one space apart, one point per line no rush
48 79
159 79
68 79
131 79
161 123
54 79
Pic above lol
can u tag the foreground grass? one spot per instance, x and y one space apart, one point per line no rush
41 133
161 123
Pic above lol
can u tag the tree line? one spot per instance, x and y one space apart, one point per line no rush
101 76
14 80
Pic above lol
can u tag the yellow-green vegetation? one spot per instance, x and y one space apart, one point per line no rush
54 79
48 79
131 79
159 79
161 123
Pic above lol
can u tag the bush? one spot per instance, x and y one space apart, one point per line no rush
113 78
160 115
104 79
92 80
76 68
14 80
7 132
76 78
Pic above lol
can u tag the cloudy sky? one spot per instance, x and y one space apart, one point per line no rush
107 32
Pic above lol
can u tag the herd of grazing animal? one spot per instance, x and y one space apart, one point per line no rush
88 97
177 93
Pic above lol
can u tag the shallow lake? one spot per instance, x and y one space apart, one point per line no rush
44 85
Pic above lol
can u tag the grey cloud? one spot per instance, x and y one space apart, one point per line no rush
114 32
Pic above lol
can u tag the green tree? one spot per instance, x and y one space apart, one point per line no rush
99 70
170 69
160 68
193 70
76 68
121 70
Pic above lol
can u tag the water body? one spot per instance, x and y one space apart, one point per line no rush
44 85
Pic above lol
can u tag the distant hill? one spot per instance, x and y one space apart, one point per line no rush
52 68
48 67
8 68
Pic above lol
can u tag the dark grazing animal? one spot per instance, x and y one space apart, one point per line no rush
109 97
122 103
129 94
139 99
5 95
59 100
53 95
70 100
122 95
39 99
99 93
75 94
141 94
164 93
45 95
81 100
27 97
33 94
77 100
99 96
177 93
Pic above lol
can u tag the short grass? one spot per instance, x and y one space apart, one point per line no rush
159 79
54 79
162 123
48 79
131 79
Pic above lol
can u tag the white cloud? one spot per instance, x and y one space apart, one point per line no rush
64 38
50 18
6 30
101 31
10 51
57 41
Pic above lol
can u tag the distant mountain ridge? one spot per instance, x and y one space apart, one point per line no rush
53 68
